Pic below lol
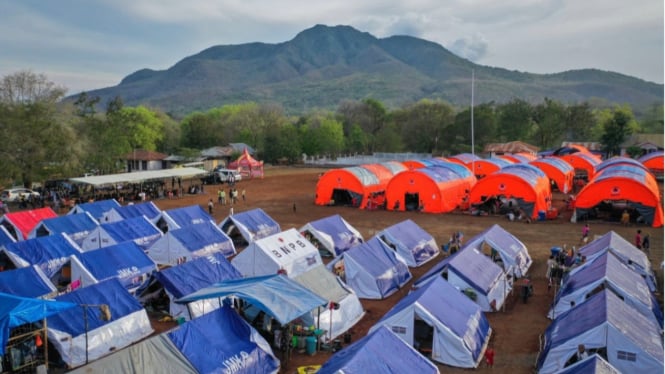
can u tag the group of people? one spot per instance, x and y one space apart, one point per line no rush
233 196
561 262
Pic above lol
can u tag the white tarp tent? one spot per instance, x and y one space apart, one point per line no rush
287 251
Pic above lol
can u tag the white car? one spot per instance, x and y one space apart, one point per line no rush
14 194
228 175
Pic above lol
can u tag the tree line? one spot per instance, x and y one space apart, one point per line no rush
46 137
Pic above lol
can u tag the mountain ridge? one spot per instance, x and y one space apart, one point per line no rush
324 65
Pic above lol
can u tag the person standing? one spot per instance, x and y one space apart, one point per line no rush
585 233
210 206
646 243
638 239
243 196
489 356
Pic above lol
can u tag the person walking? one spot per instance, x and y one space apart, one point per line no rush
646 243
243 196
585 233
638 239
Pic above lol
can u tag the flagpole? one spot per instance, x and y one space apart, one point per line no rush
473 148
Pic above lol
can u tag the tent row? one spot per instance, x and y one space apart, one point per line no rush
607 305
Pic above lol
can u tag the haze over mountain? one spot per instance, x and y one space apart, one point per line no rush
323 66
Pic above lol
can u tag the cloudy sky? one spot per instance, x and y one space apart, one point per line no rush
88 44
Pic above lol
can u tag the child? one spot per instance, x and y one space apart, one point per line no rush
585 233
489 356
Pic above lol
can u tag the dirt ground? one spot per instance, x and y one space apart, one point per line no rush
516 330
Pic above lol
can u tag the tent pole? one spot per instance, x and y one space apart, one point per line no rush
45 344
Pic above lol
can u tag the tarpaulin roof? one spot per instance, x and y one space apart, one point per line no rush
335 233
413 244
196 274
476 269
24 221
97 209
653 160
76 226
222 342
130 229
154 355
395 167
619 160
5 236
191 241
592 364
26 282
452 311
373 271
253 224
185 216
276 295
604 309
287 251
464 158
125 261
48 252
608 270
109 292
139 176
621 247
16 311
513 252
380 352
147 209
489 165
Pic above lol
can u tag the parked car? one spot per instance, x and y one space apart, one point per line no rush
228 175
14 194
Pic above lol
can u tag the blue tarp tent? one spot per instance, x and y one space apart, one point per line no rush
606 271
48 252
473 272
125 261
379 352
5 236
128 322
632 343
249 226
222 342
76 226
147 209
592 364
97 209
26 282
185 279
177 218
16 311
413 244
372 270
276 295
439 317
625 251
137 229
182 245
334 234
511 253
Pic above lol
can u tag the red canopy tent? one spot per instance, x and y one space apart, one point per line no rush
247 165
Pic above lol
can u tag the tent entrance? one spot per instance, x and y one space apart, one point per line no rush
5 262
345 198
411 201
423 337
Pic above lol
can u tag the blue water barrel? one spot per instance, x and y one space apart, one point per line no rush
555 251
541 215
311 345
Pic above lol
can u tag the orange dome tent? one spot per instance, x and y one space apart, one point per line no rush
465 159
654 162
430 189
353 186
558 170
621 183
486 166
583 163
522 182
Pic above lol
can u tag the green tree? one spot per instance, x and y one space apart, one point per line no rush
653 120
549 119
37 140
424 125
514 121
579 122
616 129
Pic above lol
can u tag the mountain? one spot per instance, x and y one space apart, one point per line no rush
323 66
